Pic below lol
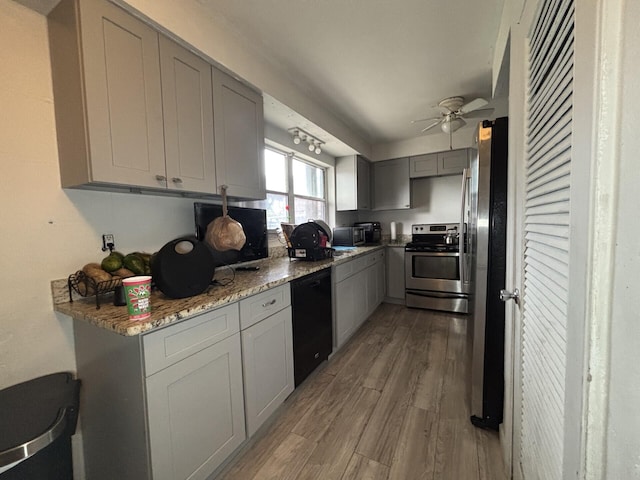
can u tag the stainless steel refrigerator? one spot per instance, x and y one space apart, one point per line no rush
485 206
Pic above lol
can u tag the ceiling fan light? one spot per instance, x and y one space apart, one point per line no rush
453 125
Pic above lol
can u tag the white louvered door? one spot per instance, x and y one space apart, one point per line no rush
544 240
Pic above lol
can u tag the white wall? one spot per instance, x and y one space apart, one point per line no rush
623 435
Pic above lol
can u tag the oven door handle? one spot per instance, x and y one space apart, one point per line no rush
416 252
430 293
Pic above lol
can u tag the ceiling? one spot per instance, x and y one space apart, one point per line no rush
375 64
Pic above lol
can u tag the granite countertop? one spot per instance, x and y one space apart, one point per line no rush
273 271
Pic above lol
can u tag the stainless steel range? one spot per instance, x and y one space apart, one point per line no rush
436 276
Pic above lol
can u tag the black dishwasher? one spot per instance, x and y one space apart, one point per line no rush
312 322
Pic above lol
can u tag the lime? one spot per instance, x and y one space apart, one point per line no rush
134 263
111 263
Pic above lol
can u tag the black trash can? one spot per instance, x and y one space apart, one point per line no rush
37 419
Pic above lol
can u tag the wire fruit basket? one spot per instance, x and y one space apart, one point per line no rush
85 286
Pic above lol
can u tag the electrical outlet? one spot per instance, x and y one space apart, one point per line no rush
108 242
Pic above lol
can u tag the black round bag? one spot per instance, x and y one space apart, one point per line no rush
184 267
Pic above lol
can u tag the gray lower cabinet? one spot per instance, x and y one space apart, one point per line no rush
164 405
358 289
195 413
395 274
375 280
267 353
391 186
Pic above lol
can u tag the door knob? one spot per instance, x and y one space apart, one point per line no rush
507 295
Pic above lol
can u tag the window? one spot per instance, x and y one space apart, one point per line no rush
296 190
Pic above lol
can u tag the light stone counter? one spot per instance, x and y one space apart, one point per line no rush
273 271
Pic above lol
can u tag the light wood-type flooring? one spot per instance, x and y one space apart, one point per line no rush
391 404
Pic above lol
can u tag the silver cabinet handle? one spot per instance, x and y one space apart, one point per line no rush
507 295
176 180
30 448
161 178
268 304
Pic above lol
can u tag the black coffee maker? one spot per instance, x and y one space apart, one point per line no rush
309 242
372 232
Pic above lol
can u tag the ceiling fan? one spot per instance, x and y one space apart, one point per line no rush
452 111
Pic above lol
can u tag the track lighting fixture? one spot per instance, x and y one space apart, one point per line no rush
313 144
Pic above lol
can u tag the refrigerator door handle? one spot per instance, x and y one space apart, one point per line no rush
462 244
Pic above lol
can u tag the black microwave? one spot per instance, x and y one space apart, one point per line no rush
348 236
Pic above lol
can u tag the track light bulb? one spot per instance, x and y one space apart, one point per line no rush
296 138
312 146
318 150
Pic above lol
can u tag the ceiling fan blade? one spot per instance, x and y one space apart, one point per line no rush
483 112
473 105
431 125
425 119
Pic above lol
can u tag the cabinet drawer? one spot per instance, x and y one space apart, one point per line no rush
343 271
171 344
260 306
374 258
346 270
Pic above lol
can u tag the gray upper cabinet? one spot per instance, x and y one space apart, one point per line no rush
187 91
106 80
423 165
239 137
391 188
442 163
353 183
136 110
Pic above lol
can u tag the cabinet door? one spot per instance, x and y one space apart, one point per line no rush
239 137
382 284
267 360
423 165
123 97
347 183
395 273
345 311
371 276
353 183
196 412
391 184
453 162
360 297
188 119
364 184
